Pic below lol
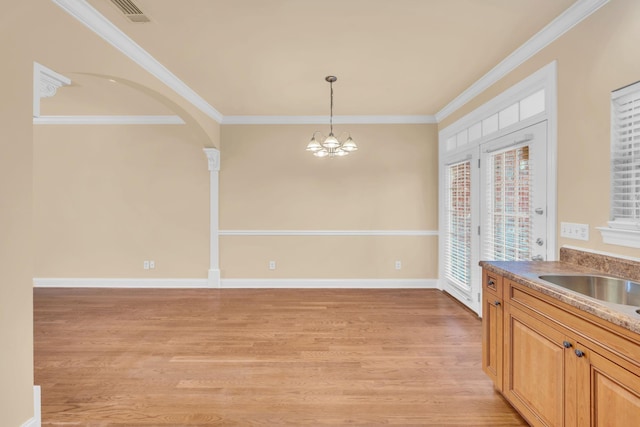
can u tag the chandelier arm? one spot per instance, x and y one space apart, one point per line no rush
342 134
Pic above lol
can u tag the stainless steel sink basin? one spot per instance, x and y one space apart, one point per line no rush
610 289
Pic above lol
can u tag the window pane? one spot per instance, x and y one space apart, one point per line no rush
475 131
625 157
458 246
462 138
490 125
532 105
508 116
509 206
451 143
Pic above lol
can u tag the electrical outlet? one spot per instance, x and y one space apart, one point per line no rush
145 265
272 265
152 264
398 265
573 230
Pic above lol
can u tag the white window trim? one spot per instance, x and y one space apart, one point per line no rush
620 236
621 232
544 78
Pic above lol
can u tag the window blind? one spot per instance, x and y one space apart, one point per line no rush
458 210
625 157
509 206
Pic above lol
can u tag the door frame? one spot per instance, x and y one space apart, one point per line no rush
453 140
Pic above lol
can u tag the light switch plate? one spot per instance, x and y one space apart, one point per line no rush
574 230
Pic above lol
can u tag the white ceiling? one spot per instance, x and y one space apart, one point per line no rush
270 57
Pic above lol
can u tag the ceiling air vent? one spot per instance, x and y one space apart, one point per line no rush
130 10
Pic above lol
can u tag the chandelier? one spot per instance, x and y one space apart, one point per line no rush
330 146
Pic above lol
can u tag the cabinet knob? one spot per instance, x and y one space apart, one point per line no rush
579 353
491 282
496 303
566 344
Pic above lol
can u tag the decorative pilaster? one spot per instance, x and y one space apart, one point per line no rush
213 157
45 84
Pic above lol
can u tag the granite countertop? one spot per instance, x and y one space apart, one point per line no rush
526 273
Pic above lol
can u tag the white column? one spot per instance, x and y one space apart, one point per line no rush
213 156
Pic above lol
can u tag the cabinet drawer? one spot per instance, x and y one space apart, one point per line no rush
492 283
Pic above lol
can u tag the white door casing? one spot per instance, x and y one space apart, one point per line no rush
505 121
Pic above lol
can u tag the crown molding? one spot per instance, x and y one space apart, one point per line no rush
571 17
323 120
100 25
108 120
92 19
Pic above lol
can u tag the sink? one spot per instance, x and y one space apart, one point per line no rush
609 289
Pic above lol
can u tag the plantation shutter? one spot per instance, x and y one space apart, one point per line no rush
458 210
625 157
508 205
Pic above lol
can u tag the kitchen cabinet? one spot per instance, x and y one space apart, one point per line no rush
560 365
492 327
608 394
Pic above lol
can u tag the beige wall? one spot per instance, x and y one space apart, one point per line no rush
16 260
109 197
269 182
40 31
594 58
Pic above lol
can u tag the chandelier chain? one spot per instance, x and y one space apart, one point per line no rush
331 115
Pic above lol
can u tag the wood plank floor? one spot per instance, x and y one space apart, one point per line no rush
199 357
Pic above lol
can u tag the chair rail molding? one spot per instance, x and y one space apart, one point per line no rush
328 232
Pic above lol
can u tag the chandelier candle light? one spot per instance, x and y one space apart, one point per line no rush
330 145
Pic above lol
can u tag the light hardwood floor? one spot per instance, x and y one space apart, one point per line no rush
140 357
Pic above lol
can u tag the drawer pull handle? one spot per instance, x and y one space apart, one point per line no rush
566 344
491 282
496 303
579 353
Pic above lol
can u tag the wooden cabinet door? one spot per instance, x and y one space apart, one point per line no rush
535 368
492 342
608 394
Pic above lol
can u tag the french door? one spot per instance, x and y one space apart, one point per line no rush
496 208
513 198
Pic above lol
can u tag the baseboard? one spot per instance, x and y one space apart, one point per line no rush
331 283
36 420
40 282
